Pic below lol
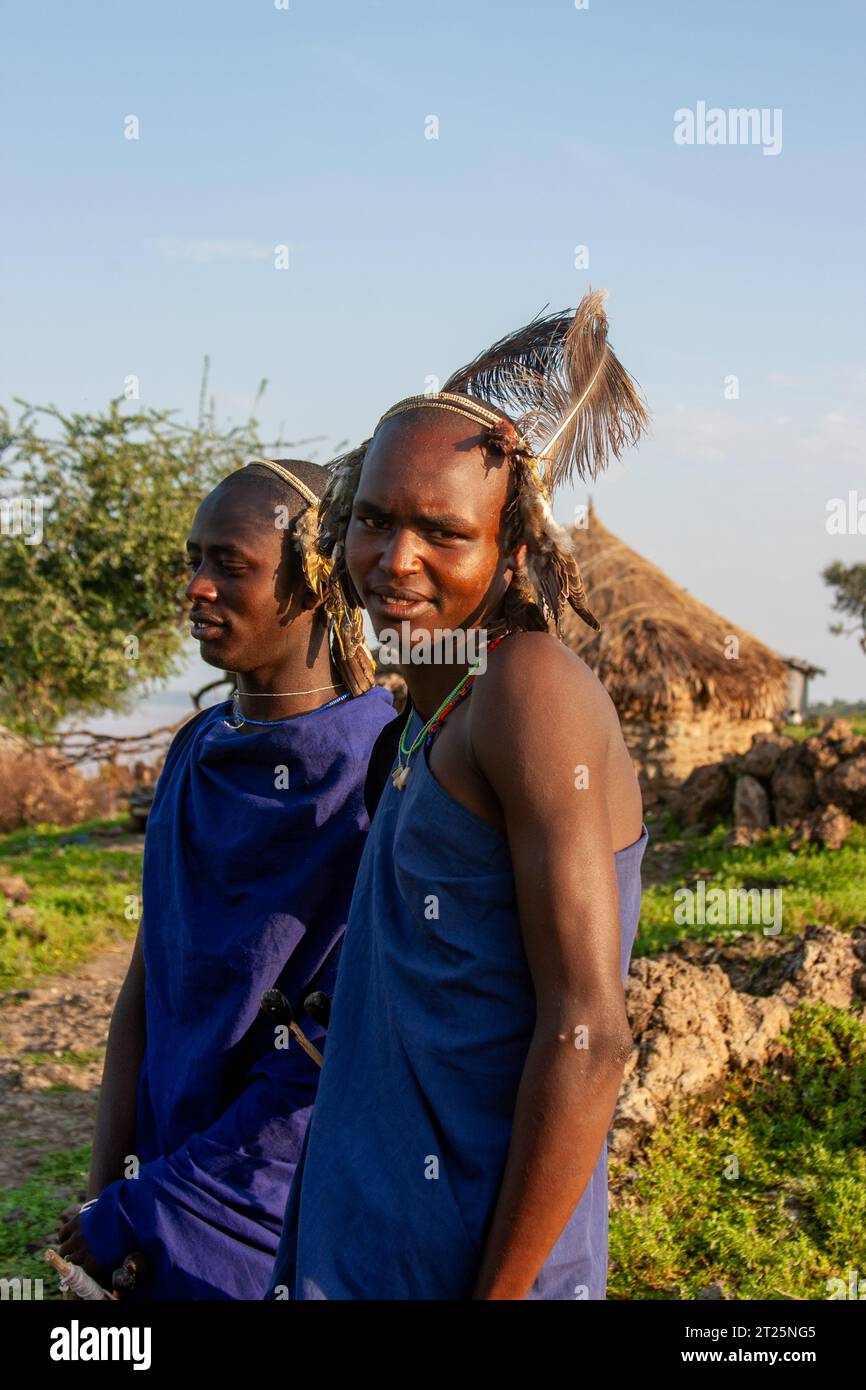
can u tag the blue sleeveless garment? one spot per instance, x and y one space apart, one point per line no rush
251 852
432 1021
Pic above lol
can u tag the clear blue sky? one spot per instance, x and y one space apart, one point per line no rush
305 126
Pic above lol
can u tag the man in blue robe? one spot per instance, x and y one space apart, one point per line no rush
479 1029
252 847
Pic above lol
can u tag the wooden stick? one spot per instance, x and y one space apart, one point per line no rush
76 1280
275 1003
305 1043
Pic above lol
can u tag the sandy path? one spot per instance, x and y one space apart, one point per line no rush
60 1014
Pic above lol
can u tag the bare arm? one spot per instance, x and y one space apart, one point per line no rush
114 1137
562 856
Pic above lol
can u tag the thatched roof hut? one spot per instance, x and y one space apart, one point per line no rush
688 684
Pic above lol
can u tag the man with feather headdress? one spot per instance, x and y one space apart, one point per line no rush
479 1031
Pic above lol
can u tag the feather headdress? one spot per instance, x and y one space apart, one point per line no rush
565 389
554 398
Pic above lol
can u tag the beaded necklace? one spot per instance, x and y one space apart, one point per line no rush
238 719
400 774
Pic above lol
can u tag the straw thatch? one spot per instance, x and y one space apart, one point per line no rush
660 650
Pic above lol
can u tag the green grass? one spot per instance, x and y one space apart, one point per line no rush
79 898
797 1134
818 885
69 1059
794 1217
30 1215
801 731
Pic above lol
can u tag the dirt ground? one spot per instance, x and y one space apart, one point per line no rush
48 1100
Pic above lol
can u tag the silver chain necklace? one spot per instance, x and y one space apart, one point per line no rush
237 720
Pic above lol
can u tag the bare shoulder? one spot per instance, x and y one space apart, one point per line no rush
538 711
534 671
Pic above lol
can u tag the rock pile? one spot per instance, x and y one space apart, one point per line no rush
816 785
701 1011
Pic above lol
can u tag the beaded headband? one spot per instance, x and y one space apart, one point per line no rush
287 477
446 400
316 568
355 666
498 429
575 407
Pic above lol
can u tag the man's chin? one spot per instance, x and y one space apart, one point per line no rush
214 652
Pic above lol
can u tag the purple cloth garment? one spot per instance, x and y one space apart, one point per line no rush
247 884
432 1021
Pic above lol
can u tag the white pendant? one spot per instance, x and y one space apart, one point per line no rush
236 719
400 776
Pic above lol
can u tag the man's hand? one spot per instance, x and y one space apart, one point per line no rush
74 1247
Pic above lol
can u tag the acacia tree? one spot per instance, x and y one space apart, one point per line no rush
849 582
93 614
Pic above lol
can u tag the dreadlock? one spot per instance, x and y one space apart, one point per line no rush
575 406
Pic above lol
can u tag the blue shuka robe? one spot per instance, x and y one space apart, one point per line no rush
247 884
432 1021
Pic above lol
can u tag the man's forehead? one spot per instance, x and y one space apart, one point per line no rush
235 518
439 460
428 428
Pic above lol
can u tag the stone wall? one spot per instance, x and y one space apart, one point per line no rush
667 749
816 785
